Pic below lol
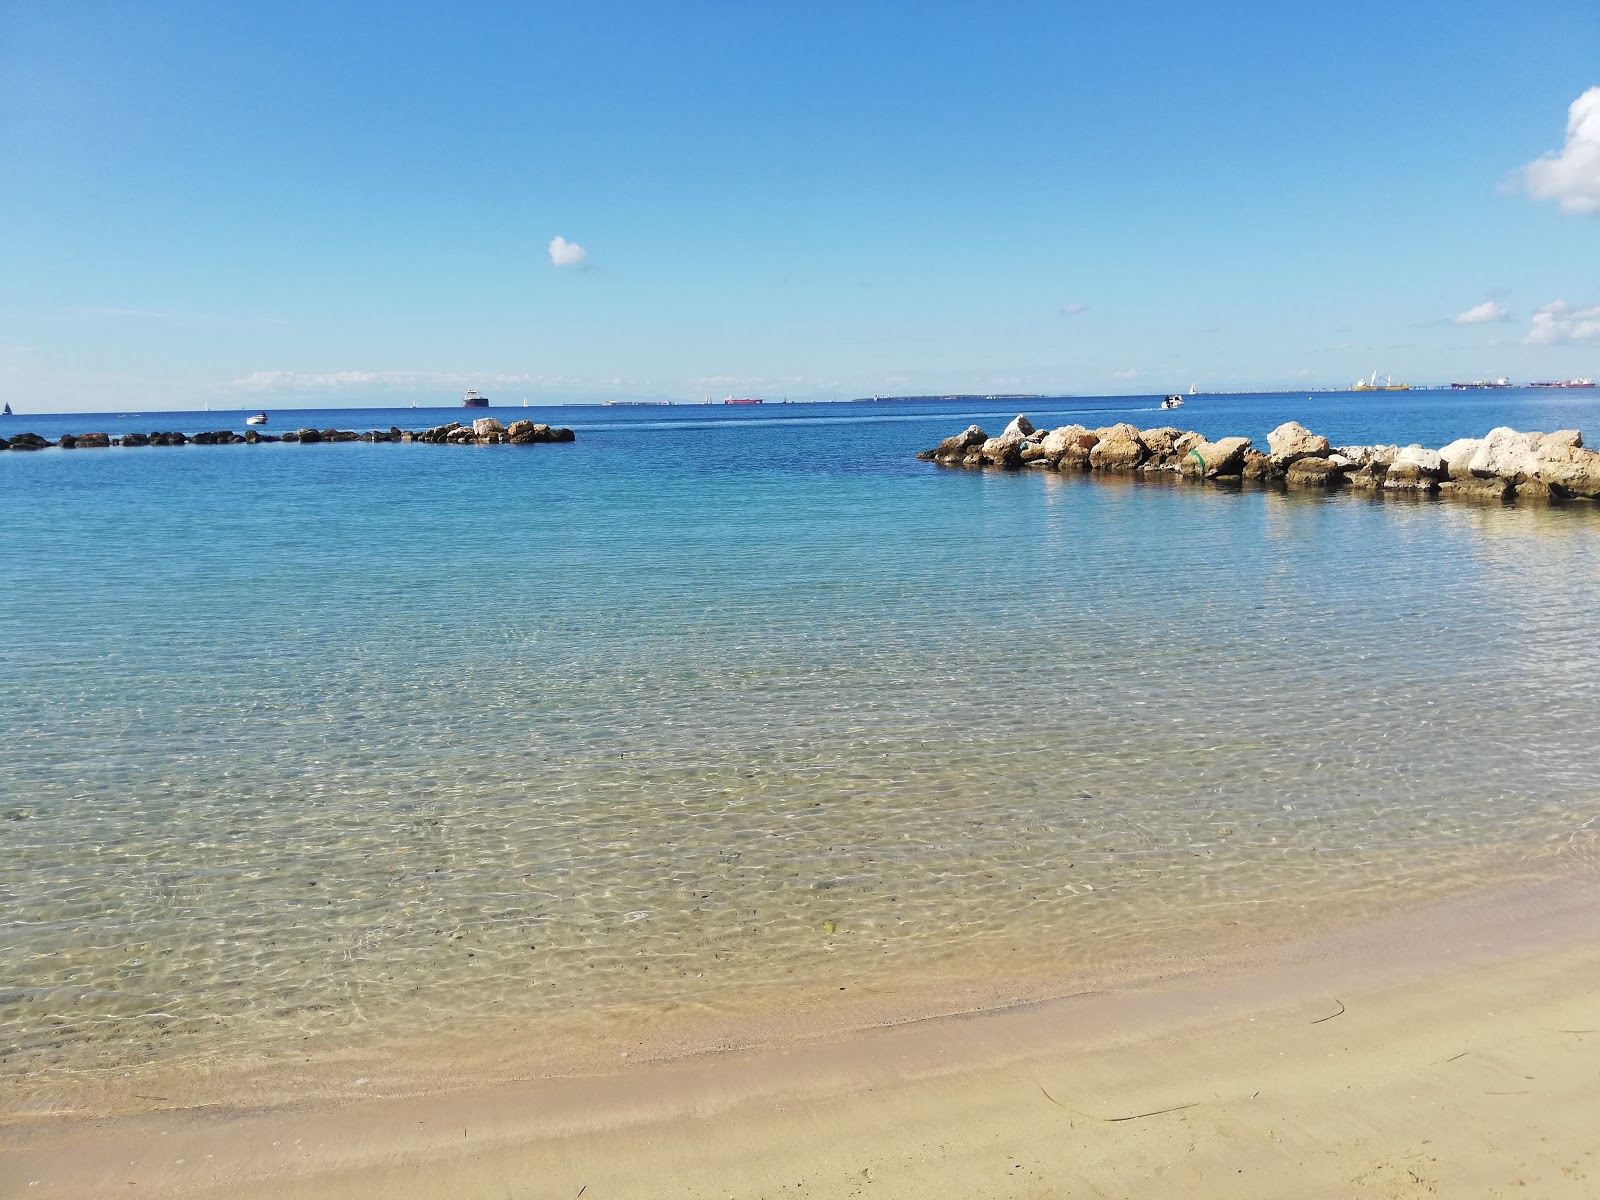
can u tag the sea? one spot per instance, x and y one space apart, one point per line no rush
718 711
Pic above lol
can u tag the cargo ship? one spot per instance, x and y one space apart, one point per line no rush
474 400
741 400
1479 385
1372 385
1565 383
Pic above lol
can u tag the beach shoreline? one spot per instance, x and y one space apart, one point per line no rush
1291 1062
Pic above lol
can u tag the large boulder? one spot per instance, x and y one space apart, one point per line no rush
1120 448
1161 440
1561 437
1506 453
1002 452
93 441
1258 466
1410 477
1458 457
1019 428
1427 462
1292 441
951 448
1070 445
28 441
1315 471
1211 459
304 436
1569 470
1472 487
484 426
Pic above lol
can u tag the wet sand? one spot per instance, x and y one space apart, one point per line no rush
1448 1051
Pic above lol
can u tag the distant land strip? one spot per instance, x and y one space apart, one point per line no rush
485 431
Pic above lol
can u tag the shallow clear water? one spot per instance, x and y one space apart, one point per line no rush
308 740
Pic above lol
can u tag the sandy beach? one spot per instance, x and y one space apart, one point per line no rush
1449 1051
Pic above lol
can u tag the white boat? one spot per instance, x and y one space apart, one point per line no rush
1172 402
258 419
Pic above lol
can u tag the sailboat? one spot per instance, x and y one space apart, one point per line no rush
7 412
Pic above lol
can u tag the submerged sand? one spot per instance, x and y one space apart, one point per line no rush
1449 1051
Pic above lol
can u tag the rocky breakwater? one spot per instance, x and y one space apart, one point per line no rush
1502 465
485 431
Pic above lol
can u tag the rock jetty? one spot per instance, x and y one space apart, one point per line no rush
485 431
1502 465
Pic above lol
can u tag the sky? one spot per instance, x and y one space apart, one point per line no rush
286 204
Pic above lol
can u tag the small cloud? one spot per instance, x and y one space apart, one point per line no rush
567 254
1571 177
1073 310
1134 373
1559 322
1482 314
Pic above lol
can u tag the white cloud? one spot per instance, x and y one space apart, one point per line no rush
1480 314
1572 176
1072 310
1560 322
1132 373
567 254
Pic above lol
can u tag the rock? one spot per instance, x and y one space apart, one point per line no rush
951 447
1471 487
94 441
1211 459
251 437
1534 489
133 439
67 442
307 435
28 441
1562 437
517 428
1161 440
1457 457
1315 471
291 437
1368 478
1410 477
1002 453
484 426
1120 448
1257 465
1034 452
1019 428
1070 445
1186 442
1569 470
1505 453
1426 461
1292 441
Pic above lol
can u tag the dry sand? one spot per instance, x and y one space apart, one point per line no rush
1448 1052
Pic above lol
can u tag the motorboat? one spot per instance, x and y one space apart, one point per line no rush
258 419
1172 402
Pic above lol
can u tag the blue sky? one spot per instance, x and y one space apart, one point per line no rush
293 203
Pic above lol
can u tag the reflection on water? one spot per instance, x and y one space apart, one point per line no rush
305 745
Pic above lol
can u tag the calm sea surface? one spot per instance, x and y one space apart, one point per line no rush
301 742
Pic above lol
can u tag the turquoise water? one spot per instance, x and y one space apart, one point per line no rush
305 742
